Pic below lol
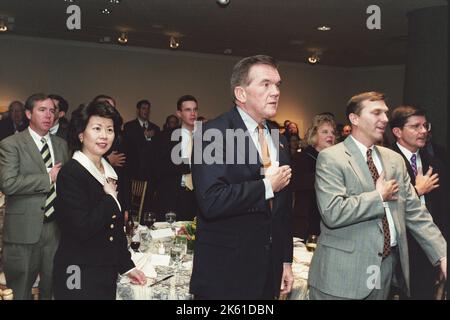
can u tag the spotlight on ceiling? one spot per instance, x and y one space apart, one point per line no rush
105 11
123 39
324 28
223 3
314 58
173 43
3 25
114 1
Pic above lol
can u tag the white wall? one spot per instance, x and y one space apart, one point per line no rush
79 71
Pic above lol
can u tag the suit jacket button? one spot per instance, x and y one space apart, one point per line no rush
112 226
380 254
42 208
111 239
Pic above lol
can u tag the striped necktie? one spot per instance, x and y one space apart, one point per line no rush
386 233
414 163
51 196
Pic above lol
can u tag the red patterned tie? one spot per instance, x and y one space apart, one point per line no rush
375 175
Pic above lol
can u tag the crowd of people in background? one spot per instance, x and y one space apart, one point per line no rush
322 173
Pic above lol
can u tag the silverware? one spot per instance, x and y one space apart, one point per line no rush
163 279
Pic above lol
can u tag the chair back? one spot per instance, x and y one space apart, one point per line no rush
138 190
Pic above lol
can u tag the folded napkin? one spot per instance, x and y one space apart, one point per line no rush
300 271
143 263
302 256
161 233
160 260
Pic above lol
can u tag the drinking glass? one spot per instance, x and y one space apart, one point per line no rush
176 254
311 243
171 217
149 219
135 242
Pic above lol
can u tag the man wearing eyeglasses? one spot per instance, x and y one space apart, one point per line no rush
410 128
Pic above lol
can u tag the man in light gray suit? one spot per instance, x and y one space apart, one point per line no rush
29 164
366 202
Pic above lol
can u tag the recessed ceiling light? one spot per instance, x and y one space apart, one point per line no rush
114 1
324 28
173 43
68 1
228 51
3 28
106 11
123 39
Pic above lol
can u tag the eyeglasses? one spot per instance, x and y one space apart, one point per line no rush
417 127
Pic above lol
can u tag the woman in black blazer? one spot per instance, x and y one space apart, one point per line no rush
93 247
306 214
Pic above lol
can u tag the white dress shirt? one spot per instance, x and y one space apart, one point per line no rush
408 154
378 165
185 136
252 127
142 122
54 129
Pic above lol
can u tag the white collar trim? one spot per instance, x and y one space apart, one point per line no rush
92 169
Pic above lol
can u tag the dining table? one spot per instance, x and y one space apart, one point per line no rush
167 280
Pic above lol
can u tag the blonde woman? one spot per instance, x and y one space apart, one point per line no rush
305 213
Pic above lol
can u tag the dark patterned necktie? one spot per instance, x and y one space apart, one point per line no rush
51 196
387 236
414 163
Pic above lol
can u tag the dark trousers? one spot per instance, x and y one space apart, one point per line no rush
24 262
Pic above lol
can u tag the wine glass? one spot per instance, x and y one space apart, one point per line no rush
135 242
149 219
176 253
311 243
171 217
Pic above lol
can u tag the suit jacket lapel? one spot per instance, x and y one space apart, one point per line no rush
33 150
282 149
358 164
56 149
249 148
389 169
407 163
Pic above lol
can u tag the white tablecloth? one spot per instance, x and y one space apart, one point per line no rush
177 287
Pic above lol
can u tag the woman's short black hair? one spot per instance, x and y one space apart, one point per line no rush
80 118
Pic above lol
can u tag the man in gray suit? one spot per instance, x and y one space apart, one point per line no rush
29 164
366 201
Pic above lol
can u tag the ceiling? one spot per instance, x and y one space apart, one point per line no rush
285 29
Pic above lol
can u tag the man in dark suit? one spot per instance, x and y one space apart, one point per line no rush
60 127
139 134
410 128
175 191
243 248
15 122
29 165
